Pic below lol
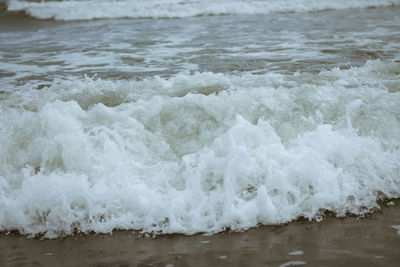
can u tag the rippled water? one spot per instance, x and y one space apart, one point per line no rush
34 50
258 114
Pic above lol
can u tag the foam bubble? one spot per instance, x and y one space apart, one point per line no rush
296 253
292 263
89 9
397 227
198 153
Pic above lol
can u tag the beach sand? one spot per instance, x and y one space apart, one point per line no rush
350 241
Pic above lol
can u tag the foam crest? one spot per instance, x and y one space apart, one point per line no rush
88 9
198 152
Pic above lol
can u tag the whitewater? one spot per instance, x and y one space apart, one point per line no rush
90 9
204 129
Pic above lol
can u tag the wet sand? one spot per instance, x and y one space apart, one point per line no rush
351 241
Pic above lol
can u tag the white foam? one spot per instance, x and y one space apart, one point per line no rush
292 263
397 227
198 153
296 253
90 9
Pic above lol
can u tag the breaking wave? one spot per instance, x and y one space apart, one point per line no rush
199 152
90 9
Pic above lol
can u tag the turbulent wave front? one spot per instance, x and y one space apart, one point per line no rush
198 152
90 9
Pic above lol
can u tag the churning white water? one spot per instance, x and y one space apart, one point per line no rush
196 124
199 153
95 9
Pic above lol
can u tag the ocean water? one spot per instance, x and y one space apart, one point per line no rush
195 116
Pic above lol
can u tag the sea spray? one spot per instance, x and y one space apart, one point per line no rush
198 152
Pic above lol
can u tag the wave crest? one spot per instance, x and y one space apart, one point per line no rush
169 156
90 9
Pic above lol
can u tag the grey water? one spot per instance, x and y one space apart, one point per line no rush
36 52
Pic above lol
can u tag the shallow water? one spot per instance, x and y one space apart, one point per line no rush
196 123
348 242
41 51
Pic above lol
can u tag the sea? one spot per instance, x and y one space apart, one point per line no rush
195 116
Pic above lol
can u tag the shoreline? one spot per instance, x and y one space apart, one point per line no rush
193 123
368 241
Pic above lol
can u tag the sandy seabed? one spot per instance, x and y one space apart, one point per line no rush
351 241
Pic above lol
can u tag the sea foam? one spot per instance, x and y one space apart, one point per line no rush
90 9
199 152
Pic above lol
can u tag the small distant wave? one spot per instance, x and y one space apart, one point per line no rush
106 9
